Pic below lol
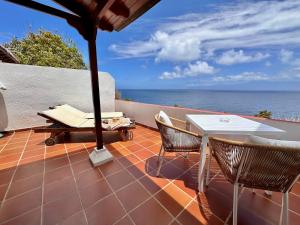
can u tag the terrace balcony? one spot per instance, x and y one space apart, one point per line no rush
58 185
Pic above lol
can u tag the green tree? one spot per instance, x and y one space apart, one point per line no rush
118 94
264 114
44 48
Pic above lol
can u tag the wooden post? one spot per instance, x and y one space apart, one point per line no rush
95 88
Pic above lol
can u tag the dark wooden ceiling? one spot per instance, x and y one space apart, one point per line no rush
109 14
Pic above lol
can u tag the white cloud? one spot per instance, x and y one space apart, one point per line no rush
246 76
258 24
268 64
236 57
192 70
286 56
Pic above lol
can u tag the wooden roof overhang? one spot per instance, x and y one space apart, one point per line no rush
87 16
7 56
107 15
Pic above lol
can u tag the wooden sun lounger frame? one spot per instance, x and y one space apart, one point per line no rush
57 128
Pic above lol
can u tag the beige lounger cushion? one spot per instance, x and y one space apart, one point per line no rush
104 115
72 110
65 117
72 117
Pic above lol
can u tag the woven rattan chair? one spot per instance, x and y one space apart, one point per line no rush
256 166
176 139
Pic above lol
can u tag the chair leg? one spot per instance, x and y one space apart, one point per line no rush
161 148
235 203
160 158
284 217
208 169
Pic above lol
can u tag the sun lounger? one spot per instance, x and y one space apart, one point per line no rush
66 119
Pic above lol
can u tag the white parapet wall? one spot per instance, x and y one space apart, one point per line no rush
31 89
144 114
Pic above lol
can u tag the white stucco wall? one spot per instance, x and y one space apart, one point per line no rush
144 113
33 88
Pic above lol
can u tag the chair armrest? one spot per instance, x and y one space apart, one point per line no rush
177 129
178 123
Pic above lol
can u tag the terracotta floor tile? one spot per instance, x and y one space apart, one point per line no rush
125 221
10 158
58 211
129 160
244 215
170 171
30 169
153 184
174 199
32 217
57 174
76 219
3 189
21 204
155 148
24 185
5 176
119 180
146 143
58 153
59 189
30 160
81 166
88 177
10 165
75 150
135 148
62 202
55 163
193 215
150 213
82 155
137 170
110 168
138 138
143 154
260 207
210 201
110 207
94 192
126 143
54 148
32 153
132 196
13 146
296 189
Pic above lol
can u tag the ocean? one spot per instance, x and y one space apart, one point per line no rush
282 104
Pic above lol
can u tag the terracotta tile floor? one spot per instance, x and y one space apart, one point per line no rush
58 185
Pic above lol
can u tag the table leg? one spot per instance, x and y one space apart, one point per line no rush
201 173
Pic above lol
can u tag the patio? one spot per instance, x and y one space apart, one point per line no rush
58 185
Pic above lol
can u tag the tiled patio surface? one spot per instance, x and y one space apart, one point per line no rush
58 185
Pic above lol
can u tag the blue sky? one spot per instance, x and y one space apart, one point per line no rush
227 45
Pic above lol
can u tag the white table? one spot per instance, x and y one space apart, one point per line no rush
224 124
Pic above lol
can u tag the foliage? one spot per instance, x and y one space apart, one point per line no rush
44 48
264 114
118 94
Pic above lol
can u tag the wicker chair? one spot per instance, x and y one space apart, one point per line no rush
256 166
176 139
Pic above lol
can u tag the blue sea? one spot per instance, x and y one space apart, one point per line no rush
282 104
